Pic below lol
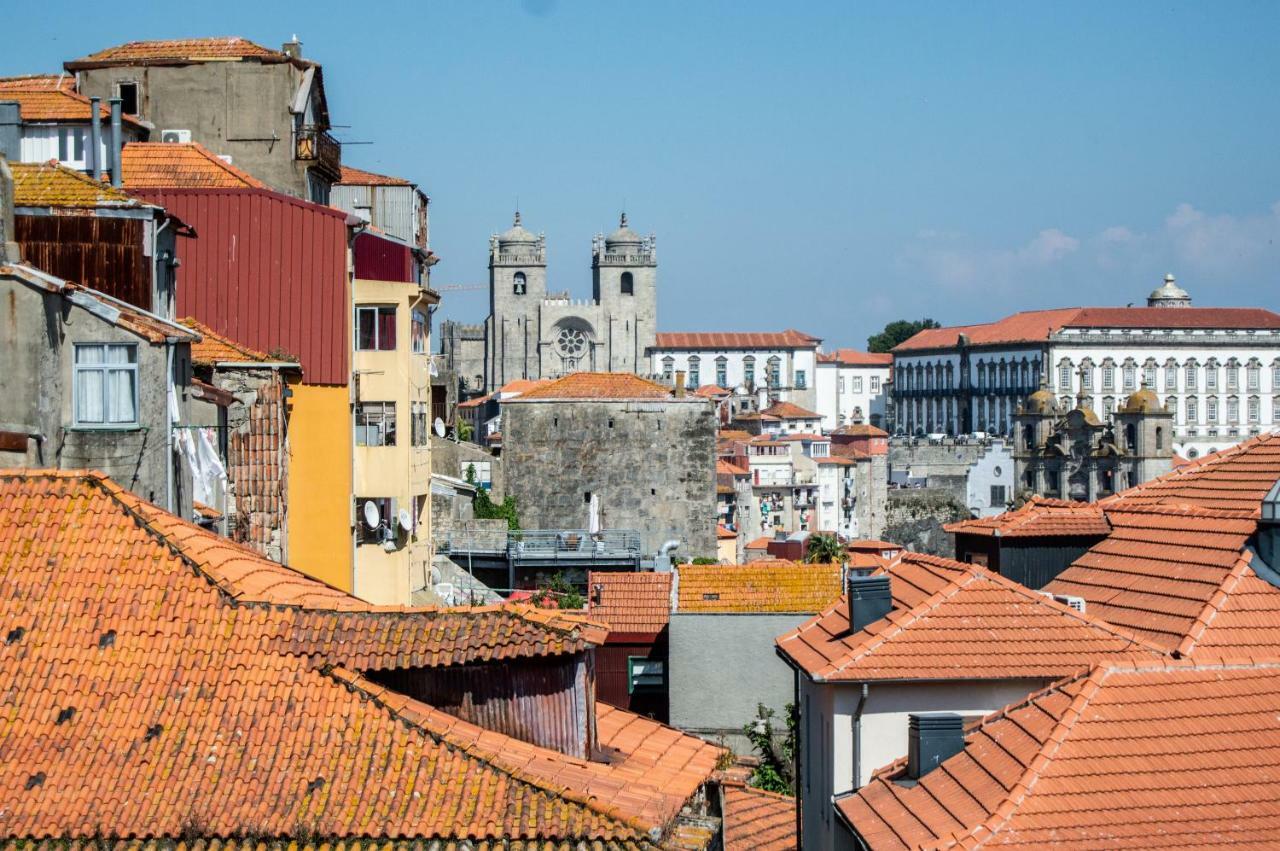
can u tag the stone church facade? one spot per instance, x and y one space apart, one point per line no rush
533 333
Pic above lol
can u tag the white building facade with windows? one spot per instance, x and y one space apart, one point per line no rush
1217 370
784 364
852 388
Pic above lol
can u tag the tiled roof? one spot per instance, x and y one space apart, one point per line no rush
597 385
727 469
755 588
359 177
178 50
162 682
790 411
650 772
756 820
761 543
1128 755
972 625
711 391
1159 569
1235 478
861 430
789 339
53 104
630 602
54 185
214 348
854 357
146 325
168 165
724 533
873 545
522 385
39 82
1039 517
1035 326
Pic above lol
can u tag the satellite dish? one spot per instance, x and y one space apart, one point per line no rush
372 517
439 427
405 518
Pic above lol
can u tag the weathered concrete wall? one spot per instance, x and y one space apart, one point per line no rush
872 483
722 666
652 464
37 351
916 517
924 459
449 459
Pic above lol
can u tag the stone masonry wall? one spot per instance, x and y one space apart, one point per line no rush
916 517
257 460
652 464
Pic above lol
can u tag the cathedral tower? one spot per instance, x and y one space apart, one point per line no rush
624 278
517 286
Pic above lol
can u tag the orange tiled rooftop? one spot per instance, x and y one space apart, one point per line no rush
44 102
215 348
771 586
167 165
54 185
630 602
176 50
597 385
164 682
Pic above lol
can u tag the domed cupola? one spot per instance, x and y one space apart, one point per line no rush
623 240
516 234
1169 294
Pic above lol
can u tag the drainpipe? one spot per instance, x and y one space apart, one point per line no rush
117 171
857 739
95 139
171 393
155 275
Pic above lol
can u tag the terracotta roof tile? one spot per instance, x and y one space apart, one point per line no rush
790 411
222 703
727 469
789 339
780 586
214 348
972 624
630 602
597 385
854 357
1038 325
1127 755
39 82
756 820
358 177
761 543
1039 517
54 185
46 103
169 165
1236 478
861 430
711 391
179 50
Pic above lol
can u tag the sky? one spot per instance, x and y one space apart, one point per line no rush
822 166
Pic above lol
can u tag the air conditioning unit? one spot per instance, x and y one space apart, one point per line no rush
175 137
1070 600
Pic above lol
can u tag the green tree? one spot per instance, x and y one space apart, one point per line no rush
484 508
898 332
824 549
559 590
777 756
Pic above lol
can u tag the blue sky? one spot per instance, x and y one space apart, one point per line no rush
824 166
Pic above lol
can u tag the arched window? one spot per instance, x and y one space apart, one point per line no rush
1131 436
722 371
519 285
628 284
695 372
1028 436
775 372
749 372
668 369
1159 438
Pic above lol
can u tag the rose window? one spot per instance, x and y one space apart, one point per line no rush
571 342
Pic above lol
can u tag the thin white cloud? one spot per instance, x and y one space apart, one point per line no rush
941 258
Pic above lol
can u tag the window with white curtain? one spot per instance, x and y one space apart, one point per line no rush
106 384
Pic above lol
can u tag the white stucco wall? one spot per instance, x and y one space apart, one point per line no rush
842 391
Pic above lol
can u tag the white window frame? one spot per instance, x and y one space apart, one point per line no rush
875 384
105 370
376 310
374 418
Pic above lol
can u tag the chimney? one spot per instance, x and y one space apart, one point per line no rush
870 599
117 173
10 129
9 252
933 737
95 139
1269 528
292 49
679 383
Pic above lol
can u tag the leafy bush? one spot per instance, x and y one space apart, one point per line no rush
558 590
774 774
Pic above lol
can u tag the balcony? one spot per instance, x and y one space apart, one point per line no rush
311 144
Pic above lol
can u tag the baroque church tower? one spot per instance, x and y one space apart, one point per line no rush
624 281
517 288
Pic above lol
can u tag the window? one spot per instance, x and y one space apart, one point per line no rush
1253 375
1108 407
695 372
840 384
1275 409
1108 376
1171 405
1233 409
628 284
857 383
645 675
386 516
1170 376
775 372
418 433
418 332
1275 376
1211 410
375 329
1255 409
668 369
722 371
376 424
1149 376
1159 438
1130 376
1086 376
128 94
1191 375
800 379
70 144
1211 377
875 384
997 495
1233 377
1064 375
749 370
106 384
519 285
1193 410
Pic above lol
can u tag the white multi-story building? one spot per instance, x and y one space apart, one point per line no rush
852 387
1216 369
783 363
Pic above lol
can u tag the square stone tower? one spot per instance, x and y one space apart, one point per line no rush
624 279
517 288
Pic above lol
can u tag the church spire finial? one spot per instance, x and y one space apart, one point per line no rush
622 221
516 223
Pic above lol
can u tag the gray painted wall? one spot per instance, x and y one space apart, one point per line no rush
721 666
651 462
